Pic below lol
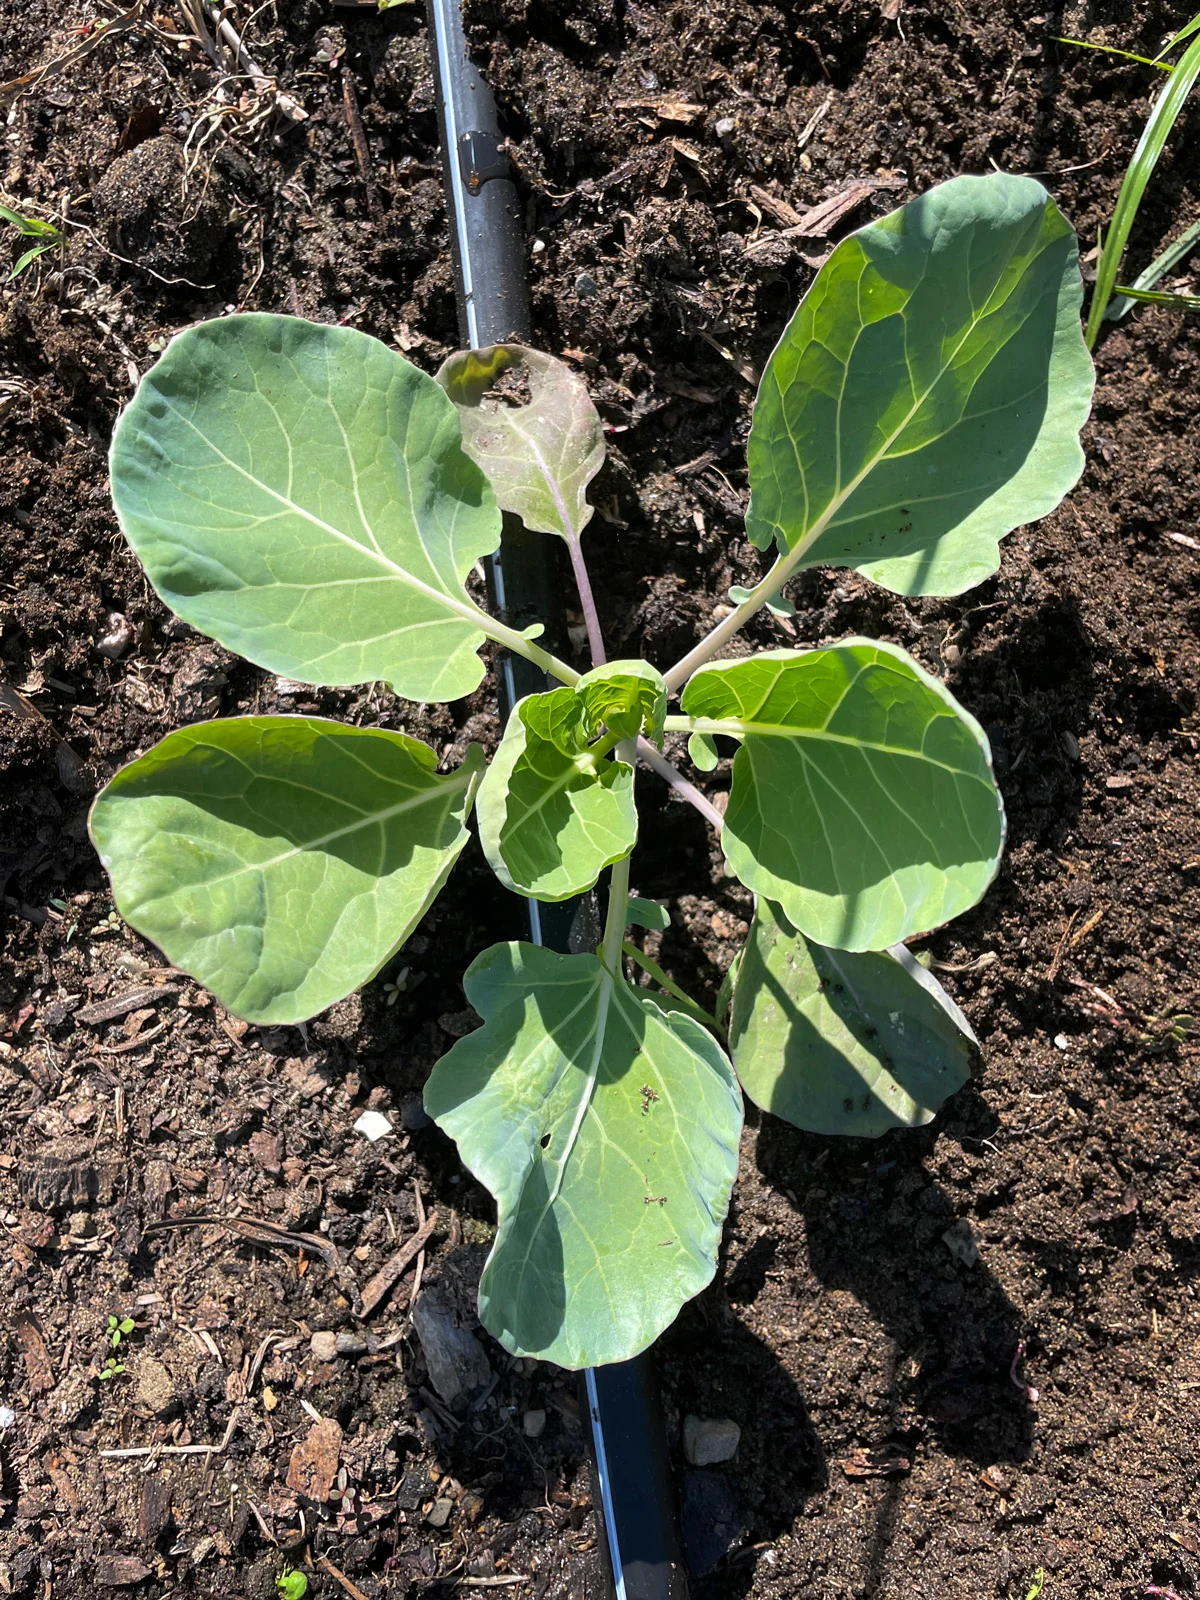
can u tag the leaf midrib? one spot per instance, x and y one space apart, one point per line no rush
736 728
843 494
443 789
461 608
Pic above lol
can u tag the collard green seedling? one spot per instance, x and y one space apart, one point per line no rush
310 499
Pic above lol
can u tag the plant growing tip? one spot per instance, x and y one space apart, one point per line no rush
925 399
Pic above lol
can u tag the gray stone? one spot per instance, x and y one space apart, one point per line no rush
707 1440
960 1242
438 1514
324 1346
458 1368
535 1424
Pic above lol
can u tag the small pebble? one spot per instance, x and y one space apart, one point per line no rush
413 1114
707 1440
535 1423
324 1346
7 1417
438 1514
118 639
960 1242
585 284
373 1125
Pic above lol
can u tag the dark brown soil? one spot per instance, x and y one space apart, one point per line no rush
660 147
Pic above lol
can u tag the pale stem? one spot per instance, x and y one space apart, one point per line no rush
650 966
591 620
733 623
781 570
618 890
519 645
682 786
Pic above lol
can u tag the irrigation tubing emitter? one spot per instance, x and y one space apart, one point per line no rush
629 1451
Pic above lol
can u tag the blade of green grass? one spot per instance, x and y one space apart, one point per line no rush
1178 302
1123 299
31 226
1186 32
1112 50
1163 115
27 258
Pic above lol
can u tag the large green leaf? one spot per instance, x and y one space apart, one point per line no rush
927 395
552 813
540 449
839 1041
863 801
300 493
281 860
607 1129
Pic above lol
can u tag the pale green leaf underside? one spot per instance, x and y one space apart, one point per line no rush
539 457
607 1129
646 913
863 801
845 1042
927 395
300 493
702 751
552 818
281 860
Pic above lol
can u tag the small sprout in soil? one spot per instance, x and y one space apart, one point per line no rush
112 1368
48 237
925 399
396 986
291 1584
119 1328
1038 1584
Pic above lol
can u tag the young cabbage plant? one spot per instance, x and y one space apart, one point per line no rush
310 499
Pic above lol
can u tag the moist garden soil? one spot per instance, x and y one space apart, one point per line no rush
882 1307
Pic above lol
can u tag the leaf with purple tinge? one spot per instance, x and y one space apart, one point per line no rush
529 423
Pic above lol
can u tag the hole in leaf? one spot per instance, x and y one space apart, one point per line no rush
544 1141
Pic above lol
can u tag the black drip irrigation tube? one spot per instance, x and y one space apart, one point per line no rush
634 1490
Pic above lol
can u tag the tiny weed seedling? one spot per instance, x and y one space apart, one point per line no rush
310 499
291 1584
119 1328
112 1368
46 235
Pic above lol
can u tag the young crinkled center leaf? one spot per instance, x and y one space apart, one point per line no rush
554 811
927 395
540 446
300 493
281 860
607 1129
863 801
840 1041
626 697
